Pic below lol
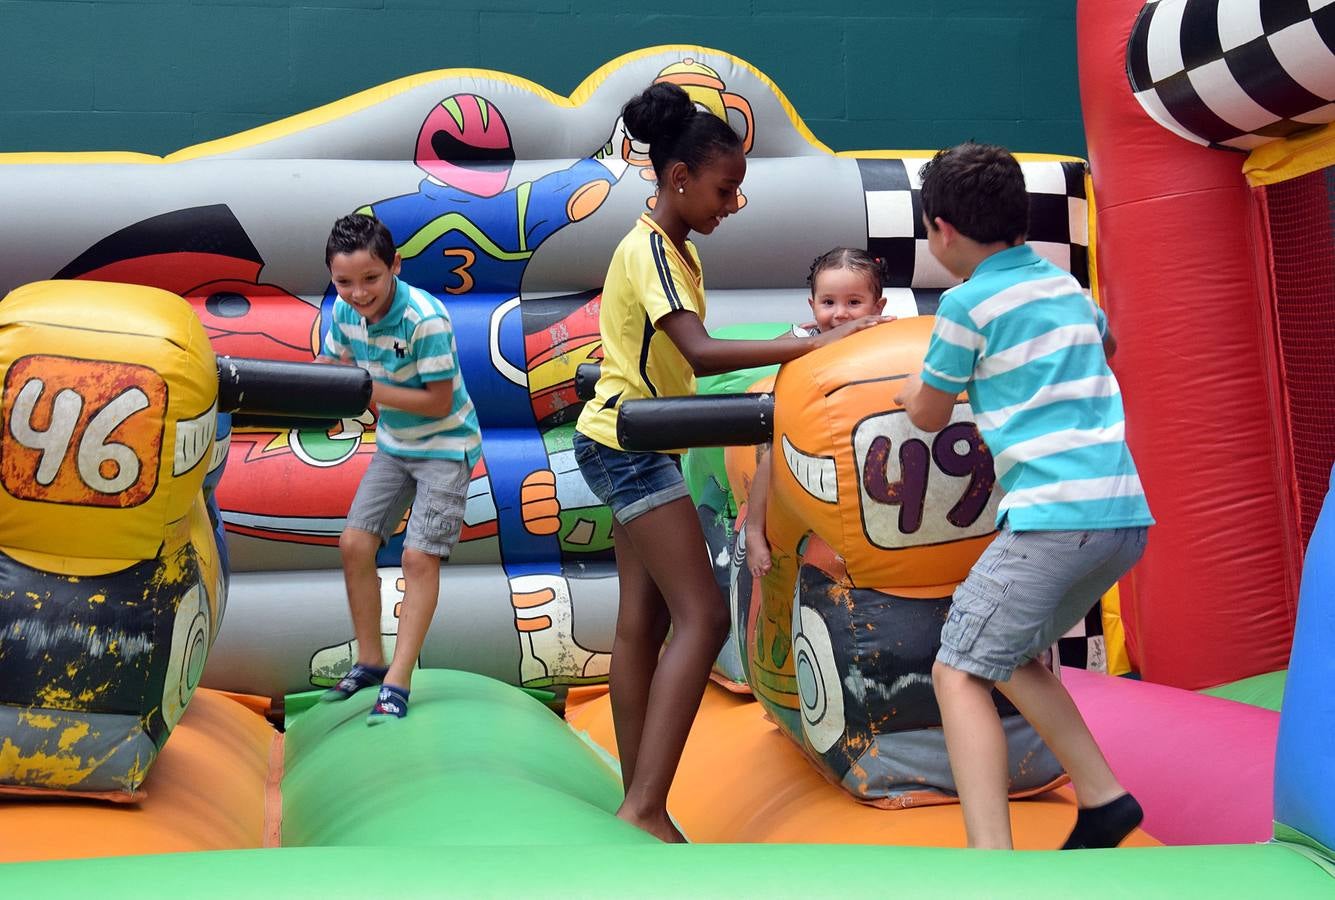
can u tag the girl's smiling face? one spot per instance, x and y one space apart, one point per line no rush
710 194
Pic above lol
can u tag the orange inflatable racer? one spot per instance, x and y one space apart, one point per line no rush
872 524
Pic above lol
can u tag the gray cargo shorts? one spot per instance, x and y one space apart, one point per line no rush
437 490
1028 589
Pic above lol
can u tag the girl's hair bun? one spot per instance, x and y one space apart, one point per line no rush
658 114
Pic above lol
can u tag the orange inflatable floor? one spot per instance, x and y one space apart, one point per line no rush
742 781
206 791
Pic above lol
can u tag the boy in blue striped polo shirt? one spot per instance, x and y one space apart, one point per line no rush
427 439
1030 348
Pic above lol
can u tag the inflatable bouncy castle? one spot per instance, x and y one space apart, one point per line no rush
530 592
506 201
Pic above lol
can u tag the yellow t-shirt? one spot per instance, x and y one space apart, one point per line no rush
647 279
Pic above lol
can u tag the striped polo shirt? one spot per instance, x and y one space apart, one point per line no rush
647 279
1027 343
411 346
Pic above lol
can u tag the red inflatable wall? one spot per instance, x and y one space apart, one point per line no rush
1183 263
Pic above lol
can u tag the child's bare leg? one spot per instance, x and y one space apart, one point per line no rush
1107 813
642 626
421 590
1047 705
976 744
358 549
669 542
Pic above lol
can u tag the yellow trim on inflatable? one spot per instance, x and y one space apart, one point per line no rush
1091 232
918 153
66 157
1290 158
330 112
1114 633
1047 157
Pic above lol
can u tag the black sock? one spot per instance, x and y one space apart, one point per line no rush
1106 825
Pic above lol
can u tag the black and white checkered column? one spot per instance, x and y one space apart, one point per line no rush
1058 226
1235 73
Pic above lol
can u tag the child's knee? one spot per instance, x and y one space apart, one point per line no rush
418 564
947 679
719 624
707 625
355 545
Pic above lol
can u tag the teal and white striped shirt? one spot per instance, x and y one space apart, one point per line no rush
1027 343
412 345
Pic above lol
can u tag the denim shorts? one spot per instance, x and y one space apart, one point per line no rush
437 490
630 483
1028 589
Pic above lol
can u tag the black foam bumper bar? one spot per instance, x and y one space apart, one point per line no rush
281 423
586 379
264 387
712 420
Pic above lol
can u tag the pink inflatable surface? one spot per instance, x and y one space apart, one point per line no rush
1202 767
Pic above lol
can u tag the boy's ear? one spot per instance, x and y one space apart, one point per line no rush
398 264
948 232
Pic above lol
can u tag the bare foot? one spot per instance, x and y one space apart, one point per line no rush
660 826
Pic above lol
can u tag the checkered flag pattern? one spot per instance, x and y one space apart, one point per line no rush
1234 73
1058 226
1083 646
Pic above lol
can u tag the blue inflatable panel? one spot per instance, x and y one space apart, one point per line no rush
1305 758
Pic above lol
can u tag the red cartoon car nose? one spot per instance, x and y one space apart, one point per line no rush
258 320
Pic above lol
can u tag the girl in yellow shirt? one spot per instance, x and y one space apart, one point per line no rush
654 345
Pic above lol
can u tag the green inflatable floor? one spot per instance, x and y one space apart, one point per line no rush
768 871
483 792
1265 691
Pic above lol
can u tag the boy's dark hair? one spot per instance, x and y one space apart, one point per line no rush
360 232
850 258
666 119
979 189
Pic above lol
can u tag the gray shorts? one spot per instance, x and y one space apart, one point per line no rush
1028 589
436 489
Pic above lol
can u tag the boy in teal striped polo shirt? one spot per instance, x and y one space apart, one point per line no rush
1030 348
427 439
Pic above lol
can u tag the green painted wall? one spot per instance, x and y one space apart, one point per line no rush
157 76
